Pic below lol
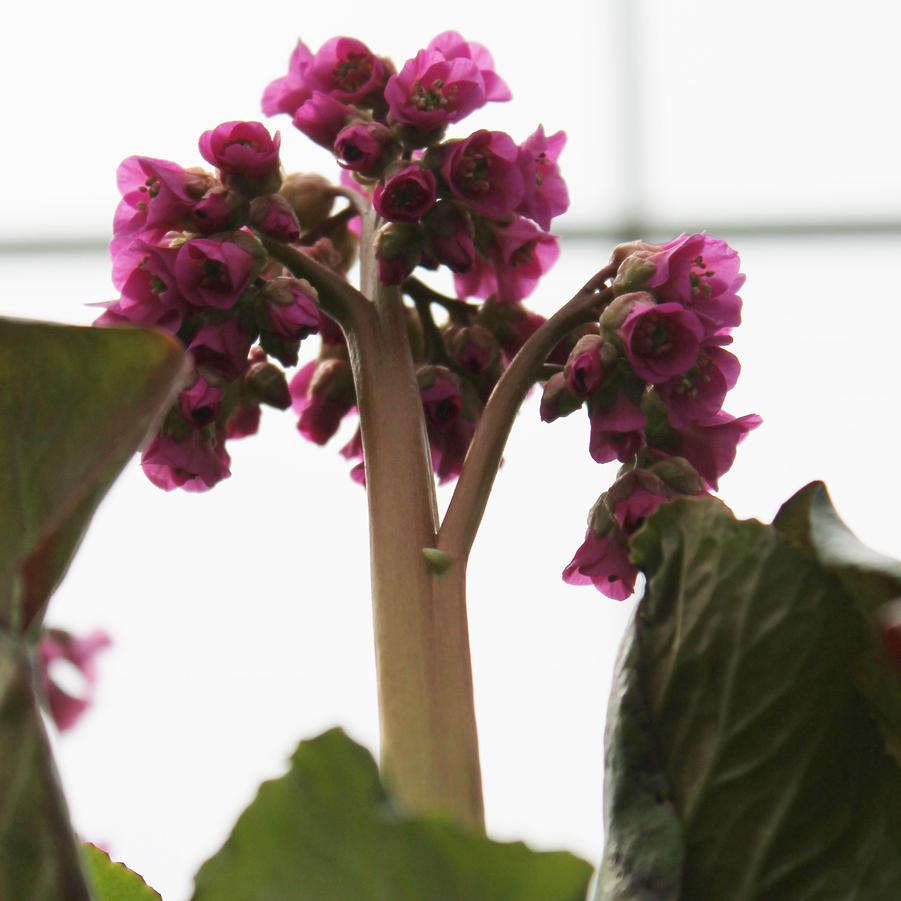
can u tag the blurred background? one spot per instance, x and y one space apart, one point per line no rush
241 617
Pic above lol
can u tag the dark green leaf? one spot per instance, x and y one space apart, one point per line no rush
38 855
742 718
75 404
326 831
111 881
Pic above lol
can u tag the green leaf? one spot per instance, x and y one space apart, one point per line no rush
326 831
38 856
742 734
75 404
113 881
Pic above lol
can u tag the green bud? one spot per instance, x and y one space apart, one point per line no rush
267 384
633 273
311 197
678 475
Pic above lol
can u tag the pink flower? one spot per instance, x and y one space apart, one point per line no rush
156 194
452 46
364 147
322 117
212 273
431 91
661 340
617 428
222 347
214 212
57 645
274 217
346 69
634 497
449 447
145 271
603 561
557 400
148 314
698 395
701 273
201 402
291 307
710 447
406 196
584 371
482 171
244 421
521 253
245 149
322 393
449 236
442 402
474 349
288 93
545 195
195 464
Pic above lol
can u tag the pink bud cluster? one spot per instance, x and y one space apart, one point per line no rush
188 259
481 206
654 375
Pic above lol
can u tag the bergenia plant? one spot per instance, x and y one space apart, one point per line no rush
755 723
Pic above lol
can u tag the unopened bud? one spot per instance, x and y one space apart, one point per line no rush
273 216
615 314
474 348
268 385
220 209
584 371
311 197
679 476
633 274
622 251
557 400
398 249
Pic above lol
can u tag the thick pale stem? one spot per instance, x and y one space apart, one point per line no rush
467 506
429 744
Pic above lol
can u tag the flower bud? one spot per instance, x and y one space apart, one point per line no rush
323 394
622 251
246 155
449 235
406 196
615 314
584 371
273 217
311 197
557 400
442 401
678 475
220 209
268 385
398 249
201 402
290 308
365 147
474 348
634 273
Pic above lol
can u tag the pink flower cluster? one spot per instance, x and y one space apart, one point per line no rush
57 647
480 205
654 375
187 258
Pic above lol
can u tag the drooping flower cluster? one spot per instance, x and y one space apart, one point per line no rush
480 205
654 376
58 647
187 258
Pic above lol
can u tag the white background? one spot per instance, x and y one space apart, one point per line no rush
240 617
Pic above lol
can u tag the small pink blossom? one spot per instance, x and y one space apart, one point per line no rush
222 347
145 271
195 464
156 194
449 447
244 149
405 196
322 393
482 171
321 119
449 236
288 93
701 273
617 429
453 46
213 212
212 273
291 308
442 401
545 194
520 254
346 69
57 645
603 561
710 447
661 340
364 147
144 313
274 217
698 395
431 91
201 402
584 371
